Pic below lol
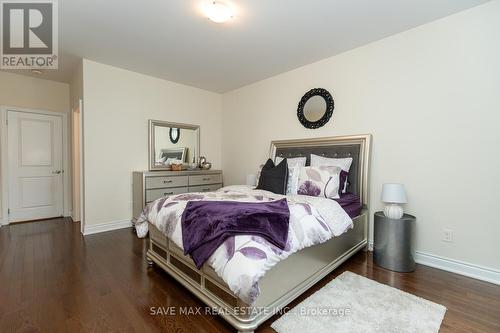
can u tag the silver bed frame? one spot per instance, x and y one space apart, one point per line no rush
301 270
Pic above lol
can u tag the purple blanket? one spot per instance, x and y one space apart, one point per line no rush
207 224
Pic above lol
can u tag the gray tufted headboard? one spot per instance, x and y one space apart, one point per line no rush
357 147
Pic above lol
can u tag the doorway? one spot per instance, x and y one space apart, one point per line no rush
77 165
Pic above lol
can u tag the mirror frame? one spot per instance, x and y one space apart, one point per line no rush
174 141
328 111
151 149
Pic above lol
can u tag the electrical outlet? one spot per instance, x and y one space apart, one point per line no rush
447 235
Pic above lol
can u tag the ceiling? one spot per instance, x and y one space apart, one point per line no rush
171 39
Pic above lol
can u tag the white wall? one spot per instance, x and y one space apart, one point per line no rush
430 97
32 93
117 106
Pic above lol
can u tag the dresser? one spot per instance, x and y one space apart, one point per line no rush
151 185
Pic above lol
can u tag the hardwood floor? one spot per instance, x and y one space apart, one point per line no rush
52 279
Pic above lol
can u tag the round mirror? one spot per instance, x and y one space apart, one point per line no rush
174 134
315 108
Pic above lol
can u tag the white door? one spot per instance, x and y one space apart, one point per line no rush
34 166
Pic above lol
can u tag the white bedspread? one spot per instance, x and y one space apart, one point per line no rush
242 260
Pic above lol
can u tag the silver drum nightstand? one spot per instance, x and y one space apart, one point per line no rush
393 242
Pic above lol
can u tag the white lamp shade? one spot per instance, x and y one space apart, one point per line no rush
394 193
251 180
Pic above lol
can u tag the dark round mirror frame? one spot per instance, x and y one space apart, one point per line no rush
178 135
328 112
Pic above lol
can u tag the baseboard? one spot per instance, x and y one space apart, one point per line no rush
455 266
459 267
103 227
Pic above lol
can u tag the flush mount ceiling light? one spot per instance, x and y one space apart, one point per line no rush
217 11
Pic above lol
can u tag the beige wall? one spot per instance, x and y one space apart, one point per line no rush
117 106
32 93
430 97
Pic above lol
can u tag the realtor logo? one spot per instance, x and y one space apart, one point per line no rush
29 35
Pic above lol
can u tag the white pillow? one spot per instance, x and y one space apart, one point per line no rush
343 163
294 161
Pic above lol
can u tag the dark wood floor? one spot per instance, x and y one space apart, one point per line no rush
54 280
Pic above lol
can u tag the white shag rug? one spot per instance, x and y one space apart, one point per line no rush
353 303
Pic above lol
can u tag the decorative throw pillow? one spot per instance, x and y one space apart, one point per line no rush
274 178
343 182
292 185
258 173
320 181
343 163
294 165
294 161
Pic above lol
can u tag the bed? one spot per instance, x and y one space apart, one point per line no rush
291 277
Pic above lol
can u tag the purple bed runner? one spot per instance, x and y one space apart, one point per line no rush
350 203
207 224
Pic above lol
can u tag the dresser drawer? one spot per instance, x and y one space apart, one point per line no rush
152 195
205 188
205 179
162 182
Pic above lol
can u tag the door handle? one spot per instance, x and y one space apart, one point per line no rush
57 172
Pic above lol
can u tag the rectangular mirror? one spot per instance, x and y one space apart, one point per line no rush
172 141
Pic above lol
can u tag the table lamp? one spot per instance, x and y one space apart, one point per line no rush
394 195
252 180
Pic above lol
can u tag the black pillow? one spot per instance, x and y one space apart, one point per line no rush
274 178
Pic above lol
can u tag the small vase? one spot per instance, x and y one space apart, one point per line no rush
393 211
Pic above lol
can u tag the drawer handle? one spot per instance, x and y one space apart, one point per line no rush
167 181
168 193
206 179
205 190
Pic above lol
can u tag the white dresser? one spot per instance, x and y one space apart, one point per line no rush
151 185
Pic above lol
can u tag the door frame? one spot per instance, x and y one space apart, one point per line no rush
79 106
4 170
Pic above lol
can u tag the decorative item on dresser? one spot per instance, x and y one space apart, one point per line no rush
151 185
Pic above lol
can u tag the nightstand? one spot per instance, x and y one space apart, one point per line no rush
393 242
